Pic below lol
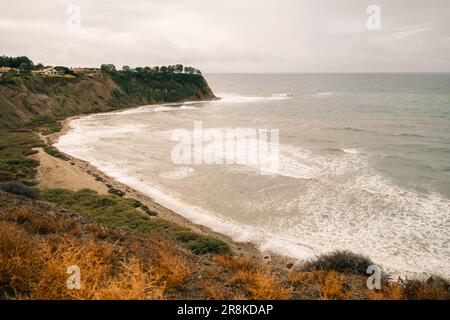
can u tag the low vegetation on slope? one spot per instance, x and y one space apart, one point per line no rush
15 165
124 214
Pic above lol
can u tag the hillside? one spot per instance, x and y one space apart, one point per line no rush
38 99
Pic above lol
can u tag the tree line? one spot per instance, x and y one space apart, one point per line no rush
177 68
25 65
21 62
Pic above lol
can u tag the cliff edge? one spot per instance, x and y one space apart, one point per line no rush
25 100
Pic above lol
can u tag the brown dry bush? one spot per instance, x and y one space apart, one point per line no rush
411 289
258 282
171 270
390 291
231 263
132 283
38 225
93 258
20 262
113 265
212 290
169 266
424 290
297 278
329 285
106 274
333 287
261 284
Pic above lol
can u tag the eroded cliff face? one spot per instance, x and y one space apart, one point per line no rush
24 100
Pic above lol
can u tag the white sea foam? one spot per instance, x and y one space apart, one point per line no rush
143 109
189 105
282 95
352 151
300 163
178 174
164 108
296 162
228 98
319 95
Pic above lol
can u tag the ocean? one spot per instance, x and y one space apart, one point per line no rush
364 164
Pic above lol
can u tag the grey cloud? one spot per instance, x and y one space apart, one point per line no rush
232 35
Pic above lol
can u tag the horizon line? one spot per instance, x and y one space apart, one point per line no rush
340 72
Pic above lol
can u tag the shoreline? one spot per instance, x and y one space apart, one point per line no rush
249 250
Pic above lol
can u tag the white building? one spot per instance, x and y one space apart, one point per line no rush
4 70
48 71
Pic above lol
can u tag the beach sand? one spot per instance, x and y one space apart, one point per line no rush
57 173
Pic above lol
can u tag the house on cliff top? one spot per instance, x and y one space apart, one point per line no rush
48 71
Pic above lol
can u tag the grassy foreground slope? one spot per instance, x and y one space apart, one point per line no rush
39 240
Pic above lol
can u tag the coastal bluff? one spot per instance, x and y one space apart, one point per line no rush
34 99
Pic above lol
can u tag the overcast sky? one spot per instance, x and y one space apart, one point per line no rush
232 35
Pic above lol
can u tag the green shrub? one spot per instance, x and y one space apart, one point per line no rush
203 245
434 288
15 146
143 207
340 261
30 152
117 192
55 153
185 236
19 189
122 213
21 163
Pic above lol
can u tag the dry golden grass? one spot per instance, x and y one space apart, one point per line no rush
393 291
297 278
132 283
171 271
93 258
35 266
258 282
19 259
212 290
227 261
419 290
410 289
261 284
330 285
37 225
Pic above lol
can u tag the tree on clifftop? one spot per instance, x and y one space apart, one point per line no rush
15 62
179 68
25 68
108 68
